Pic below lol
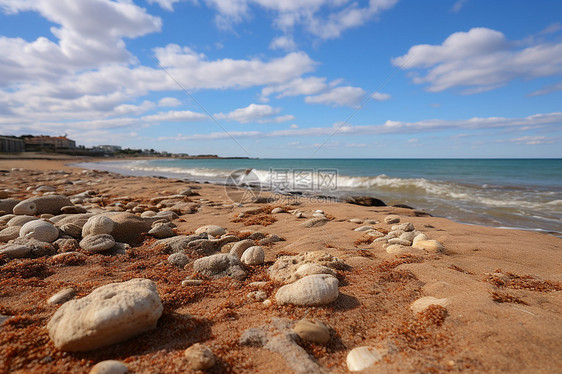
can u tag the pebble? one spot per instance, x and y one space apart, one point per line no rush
109 367
62 296
162 231
42 204
186 192
212 230
20 220
278 210
200 357
286 269
148 214
178 259
270 240
15 251
314 222
97 225
312 290
403 242
364 228
431 246
312 331
220 265
191 282
397 249
423 303
128 227
121 310
71 229
4 194
361 358
239 248
97 243
418 238
408 226
392 219
65 245
356 220
39 230
253 256
9 233
409 236
73 209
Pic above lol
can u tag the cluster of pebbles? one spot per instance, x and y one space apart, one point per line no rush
85 222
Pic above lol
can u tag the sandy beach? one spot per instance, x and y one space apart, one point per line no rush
497 306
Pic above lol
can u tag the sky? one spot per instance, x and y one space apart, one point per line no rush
291 78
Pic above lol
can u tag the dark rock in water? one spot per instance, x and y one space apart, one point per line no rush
402 206
364 200
419 213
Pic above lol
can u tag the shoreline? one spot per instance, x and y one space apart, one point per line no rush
503 287
447 209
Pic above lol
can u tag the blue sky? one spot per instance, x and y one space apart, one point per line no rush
293 78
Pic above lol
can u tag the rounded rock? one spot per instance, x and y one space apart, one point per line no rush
162 231
239 248
312 331
9 233
423 303
109 367
178 259
361 358
392 219
200 357
97 225
39 230
97 243
212 230
312 290
62 296
253 256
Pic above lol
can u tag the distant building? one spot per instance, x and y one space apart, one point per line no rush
11 145
107 148
48 142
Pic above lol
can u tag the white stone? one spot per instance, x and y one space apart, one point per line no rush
40 230
422 304
361 358
431 246
212 230
407 226
239 247
313 290
392 219
97 225
313 331
364 228
253 256
62 296
110 314
418 238
109 367
200 357
97 243
9 233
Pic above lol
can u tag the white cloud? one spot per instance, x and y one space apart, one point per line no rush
178 116
325 19
399 127
338 96
479 60
458 6
169 102
90 33
532 140
255 113
379 96
165 4
298 86
283 42
547 89
194 71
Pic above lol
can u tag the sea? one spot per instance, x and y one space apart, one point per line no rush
506 193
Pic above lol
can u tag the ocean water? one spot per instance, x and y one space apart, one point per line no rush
509 193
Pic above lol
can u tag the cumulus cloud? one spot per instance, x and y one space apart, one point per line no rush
379 96
165 4
339 96
326 19
255 113
179 116
296 87
283 42
169 102
479 60
90 33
